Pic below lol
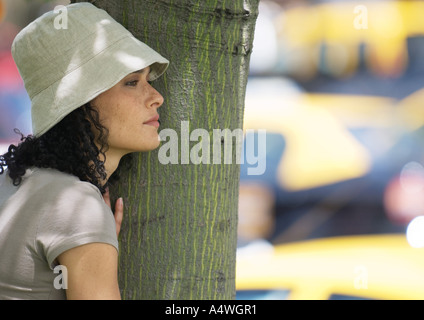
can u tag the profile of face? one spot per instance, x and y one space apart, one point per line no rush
129 110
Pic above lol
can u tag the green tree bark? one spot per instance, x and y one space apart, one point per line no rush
178 239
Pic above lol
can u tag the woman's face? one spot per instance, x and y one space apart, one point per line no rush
129 111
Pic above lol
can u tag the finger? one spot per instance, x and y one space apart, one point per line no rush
106 197
119 214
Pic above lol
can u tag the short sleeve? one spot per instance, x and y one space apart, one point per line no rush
74 215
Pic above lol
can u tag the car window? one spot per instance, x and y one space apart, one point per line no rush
347 297
276 294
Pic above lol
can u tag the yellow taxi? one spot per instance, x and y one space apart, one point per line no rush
383 267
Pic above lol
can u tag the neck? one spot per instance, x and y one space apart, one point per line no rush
111 163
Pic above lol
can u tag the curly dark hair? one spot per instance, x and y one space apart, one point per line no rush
68 147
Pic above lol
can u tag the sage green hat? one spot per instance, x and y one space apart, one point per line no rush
68 57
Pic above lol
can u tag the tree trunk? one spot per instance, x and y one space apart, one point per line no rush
179 235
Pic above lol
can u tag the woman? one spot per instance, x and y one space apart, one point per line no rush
91 104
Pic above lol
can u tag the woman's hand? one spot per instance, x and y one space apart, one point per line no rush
119 210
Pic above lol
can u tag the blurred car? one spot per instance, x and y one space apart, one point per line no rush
326 155
328 138
342 138
383 267
338 37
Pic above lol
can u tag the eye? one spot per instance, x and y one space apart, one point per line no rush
131 83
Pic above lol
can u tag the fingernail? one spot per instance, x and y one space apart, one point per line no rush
121 201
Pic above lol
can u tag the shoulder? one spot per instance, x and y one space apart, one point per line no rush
73 212
42 190
52 181
64 197
53 191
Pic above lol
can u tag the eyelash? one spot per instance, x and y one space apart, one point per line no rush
131 83
135 82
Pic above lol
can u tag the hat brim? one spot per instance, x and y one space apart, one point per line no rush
91 78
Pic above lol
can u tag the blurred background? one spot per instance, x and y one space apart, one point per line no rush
15 106
337 85
338 213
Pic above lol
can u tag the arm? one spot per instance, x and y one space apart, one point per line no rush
92 268
92 272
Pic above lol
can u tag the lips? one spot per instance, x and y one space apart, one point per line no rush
154 122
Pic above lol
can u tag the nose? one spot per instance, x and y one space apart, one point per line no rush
155 98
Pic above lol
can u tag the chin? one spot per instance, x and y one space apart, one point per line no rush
151 145
155 145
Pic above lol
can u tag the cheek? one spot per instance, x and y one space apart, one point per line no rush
125 124
117 115
123 116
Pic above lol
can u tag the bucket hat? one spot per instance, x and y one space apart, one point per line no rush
65 65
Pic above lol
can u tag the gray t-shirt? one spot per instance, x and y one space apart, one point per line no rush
48 213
